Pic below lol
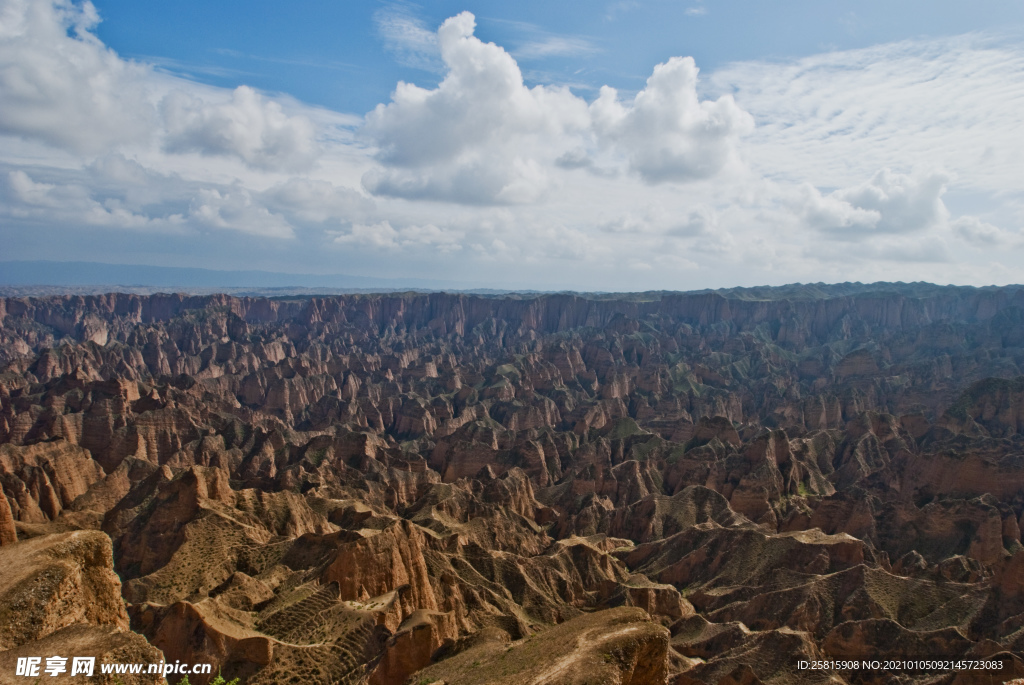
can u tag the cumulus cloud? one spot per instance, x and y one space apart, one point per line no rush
832 213
667 132
55 71
486 178
896 210
699 220
383 235
982 234
247 126
237 210
576 158
478 137
903 202
27 199
888 203
118 192
483 137
315 201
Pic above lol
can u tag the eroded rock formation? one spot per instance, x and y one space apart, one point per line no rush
681 488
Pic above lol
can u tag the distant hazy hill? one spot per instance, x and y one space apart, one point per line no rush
824 291
42 278
85 274
808 291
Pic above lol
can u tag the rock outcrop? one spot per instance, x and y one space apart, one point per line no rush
59 595
675 487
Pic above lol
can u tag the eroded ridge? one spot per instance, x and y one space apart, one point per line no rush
680 488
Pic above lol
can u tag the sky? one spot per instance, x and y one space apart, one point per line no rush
625 145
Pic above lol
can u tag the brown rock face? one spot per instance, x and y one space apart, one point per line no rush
612 646
386 561
43 479
57 581
8 531
59 595
411 648
213 636
104 644
675 488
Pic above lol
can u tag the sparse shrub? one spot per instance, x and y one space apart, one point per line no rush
219 680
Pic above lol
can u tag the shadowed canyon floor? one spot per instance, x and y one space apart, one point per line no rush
701 488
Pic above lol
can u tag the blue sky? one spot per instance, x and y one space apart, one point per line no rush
618 145
336 54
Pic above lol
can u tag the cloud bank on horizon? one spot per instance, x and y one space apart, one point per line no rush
901 161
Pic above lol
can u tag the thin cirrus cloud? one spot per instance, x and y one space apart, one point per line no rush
407 37
951 102
554 46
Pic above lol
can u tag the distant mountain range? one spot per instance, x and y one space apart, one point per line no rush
42 278
46 277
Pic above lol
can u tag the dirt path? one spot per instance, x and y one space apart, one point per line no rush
563 665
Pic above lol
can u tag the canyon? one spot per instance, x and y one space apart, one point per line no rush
682 488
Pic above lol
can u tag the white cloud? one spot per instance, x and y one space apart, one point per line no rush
899 252
380 235
480 137
832 213
982 234
54 71
481 177
700 221
383 236
615 9
315 201
237 210
247 126
904 203
555 46
889 203
72 204
413 44
483 137
953 103
667 132
626 224
118 192
892 216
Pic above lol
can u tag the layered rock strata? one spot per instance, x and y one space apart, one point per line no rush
683 488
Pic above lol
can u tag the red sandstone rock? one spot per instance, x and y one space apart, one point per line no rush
296 478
